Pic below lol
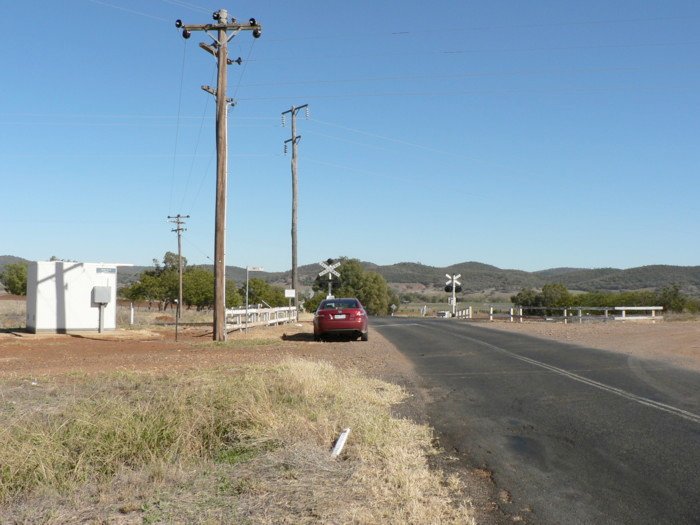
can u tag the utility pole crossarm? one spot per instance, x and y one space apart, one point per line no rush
252 25
223 25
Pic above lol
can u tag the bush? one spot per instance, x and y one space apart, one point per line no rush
14 278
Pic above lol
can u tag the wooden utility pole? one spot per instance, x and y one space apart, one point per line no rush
295 194
177 219
225 30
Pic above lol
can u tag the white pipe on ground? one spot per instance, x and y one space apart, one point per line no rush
338 448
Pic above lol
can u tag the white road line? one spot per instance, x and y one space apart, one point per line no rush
398 324
695 418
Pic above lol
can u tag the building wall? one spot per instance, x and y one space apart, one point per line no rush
60 296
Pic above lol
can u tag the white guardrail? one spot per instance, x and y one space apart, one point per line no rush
236 319
570 315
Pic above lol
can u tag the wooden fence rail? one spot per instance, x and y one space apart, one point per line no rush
236 319
567 315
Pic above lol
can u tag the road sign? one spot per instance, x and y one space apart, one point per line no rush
453 279
329 269
289 294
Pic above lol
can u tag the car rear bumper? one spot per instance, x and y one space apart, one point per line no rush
327 326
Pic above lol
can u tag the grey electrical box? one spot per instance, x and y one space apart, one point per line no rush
101 294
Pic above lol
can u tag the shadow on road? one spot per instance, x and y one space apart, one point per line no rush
300 336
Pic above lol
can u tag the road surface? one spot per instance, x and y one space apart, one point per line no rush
577 435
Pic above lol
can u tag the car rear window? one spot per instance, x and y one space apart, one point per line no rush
339 303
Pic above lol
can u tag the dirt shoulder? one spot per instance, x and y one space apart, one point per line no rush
674 342
31 357
155 350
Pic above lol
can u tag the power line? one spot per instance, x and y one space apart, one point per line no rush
482 74
121 116
177 128
245 67
486 92
196 146
445 52
132 11
188 5
442 30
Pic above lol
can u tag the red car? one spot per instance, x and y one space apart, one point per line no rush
344 316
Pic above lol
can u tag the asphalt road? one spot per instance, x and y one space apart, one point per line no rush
578 435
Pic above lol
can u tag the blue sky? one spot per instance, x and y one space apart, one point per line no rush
526 135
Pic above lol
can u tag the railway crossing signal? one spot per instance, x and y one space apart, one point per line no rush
329 268
453 286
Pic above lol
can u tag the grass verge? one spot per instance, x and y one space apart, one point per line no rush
246 445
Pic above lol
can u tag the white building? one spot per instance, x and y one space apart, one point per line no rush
71 296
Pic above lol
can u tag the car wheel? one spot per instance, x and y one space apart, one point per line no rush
365 336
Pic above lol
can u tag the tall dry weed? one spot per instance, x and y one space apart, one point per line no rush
255 442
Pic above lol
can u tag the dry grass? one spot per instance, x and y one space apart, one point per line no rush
250 445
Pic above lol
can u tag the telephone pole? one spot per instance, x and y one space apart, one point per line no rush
295 197
177 220
221 32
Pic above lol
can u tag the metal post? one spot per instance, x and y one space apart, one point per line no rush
246 298
454 296
101 325
491 313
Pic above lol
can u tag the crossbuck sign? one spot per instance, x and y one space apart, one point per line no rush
330 270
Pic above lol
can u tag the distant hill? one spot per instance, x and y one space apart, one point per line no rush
476 277
10 259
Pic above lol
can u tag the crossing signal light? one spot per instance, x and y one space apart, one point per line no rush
448 288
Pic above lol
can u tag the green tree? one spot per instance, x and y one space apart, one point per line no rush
556 296
672 299
198 287
170 261
234 299
260 291
527 297
311 305
159 284
373 294
14 278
